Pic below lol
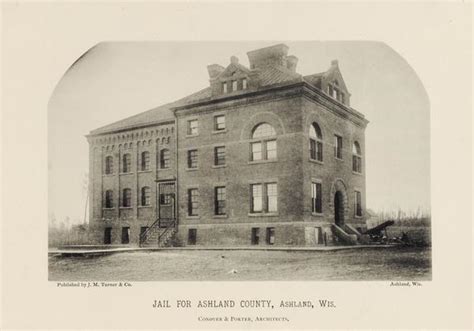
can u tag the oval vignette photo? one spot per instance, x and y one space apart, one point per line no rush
239 161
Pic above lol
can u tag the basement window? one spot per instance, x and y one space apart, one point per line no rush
192 236
255 236
270 236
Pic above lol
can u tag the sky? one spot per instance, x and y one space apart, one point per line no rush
114 80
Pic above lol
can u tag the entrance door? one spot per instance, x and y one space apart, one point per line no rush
339 208
107 236
166 203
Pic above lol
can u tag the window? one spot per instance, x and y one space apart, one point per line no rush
315 143
234 85
220 198
127 198
108 235
125 235
264 198
358 203
145 165
192 159
165 159
257 195
193 202
270 236
338 146
255 236
109 165
193 127
244 84
316 198
219 123
126 163
356 157
265 147
192 236
166 198
224 87
146 193
109 199
219 155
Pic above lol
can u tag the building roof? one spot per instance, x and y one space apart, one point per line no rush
155 115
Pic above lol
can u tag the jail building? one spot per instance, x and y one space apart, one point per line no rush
261 156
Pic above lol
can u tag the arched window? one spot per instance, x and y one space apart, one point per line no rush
146 193
109 165
126 163
315 143
109 199
145 164
356 157
165 159
263 146
126 197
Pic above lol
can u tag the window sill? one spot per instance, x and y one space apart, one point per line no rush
263 161
219 166
219 131
125 208
126 173
317 214
356 173
263 214
316 161
108 208
143 171
108 175
191 135
149 206
167 168
220 216
358 217
192 169
338 158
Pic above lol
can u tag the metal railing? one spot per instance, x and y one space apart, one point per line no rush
159 223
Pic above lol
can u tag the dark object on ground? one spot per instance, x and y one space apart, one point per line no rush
377 231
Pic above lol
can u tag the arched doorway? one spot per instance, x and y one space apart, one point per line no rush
339 208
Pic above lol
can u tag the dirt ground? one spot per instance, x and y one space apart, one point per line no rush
357 264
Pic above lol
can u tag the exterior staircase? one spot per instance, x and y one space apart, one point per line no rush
159 234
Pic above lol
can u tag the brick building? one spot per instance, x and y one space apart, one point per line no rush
262 156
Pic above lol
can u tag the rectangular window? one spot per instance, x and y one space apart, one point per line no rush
108 235
316 198
272 197
193 127
220 198
271 149
192 236
234 85
356 163
125 235
127 198
338 146
193 202
165 198
270 236
224 87
219 123
257 196
219 155
145 161
358 203
192 159
244 84
255 236
256 151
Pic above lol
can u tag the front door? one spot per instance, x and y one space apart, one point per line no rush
166 203
339 208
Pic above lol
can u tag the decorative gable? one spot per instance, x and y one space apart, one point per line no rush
231 79
333 84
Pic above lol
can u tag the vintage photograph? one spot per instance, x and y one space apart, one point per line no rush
239 161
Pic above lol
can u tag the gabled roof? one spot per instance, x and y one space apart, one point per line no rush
275 75
155 115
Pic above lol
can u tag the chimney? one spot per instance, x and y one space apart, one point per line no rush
334 63
269 56
215 70
234 60
291 62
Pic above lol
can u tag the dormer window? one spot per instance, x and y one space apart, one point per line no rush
335 91
244 84
224 87
234 85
